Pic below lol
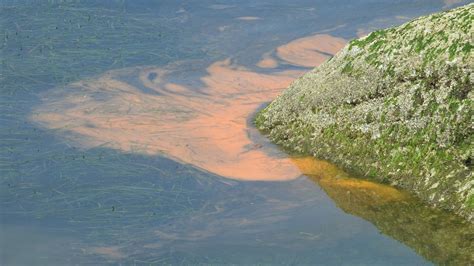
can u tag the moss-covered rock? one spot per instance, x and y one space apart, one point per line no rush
396 106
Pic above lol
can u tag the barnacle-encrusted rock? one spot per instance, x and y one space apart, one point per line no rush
396 106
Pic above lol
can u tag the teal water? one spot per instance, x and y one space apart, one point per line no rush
63 204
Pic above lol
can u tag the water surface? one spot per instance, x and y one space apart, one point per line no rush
126 137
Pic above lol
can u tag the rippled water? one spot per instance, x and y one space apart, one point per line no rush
126 137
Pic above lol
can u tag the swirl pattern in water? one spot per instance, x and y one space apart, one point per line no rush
200 120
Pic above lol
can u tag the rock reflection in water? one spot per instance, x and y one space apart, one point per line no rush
439 236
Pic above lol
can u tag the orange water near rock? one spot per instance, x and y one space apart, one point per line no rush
267 61
334 180
304 52
201 121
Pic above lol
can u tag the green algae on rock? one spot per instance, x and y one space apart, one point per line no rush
396 105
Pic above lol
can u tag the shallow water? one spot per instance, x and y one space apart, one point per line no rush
126 137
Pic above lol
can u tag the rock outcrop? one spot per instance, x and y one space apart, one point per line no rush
396 106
